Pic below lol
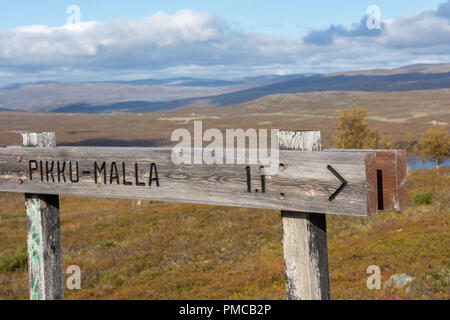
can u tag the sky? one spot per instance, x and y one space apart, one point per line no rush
121 40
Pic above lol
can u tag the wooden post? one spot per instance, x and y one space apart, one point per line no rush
43 233
304 235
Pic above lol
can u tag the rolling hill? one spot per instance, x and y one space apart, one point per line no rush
150 95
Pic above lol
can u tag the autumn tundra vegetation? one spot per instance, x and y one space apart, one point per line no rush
354 132
150 250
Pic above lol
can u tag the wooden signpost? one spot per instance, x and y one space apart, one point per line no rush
308 185
305 235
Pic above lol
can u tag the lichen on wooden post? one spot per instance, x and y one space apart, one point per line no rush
43 234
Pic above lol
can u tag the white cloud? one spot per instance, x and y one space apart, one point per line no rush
198 43
417 31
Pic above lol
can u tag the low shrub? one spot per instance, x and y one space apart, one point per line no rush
12 261
422 198
105 244
436 280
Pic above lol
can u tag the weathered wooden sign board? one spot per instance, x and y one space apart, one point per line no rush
309 184
331 182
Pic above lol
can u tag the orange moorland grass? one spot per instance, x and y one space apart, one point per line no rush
390 113
150 250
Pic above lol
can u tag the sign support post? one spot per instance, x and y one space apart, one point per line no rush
304 235
43 233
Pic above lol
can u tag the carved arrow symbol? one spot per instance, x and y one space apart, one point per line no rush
344 183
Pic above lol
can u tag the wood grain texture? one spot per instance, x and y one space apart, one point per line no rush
393 167
300 140
305 256
305 183
39 140
43 235
304 236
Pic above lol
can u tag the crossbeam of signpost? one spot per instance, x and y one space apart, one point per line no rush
43 231
310 182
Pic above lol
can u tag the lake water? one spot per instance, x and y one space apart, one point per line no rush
416 164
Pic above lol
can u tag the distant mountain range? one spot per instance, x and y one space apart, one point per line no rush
149 95
194 82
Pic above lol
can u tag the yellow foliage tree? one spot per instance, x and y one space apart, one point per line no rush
410 143
353 132
435 145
